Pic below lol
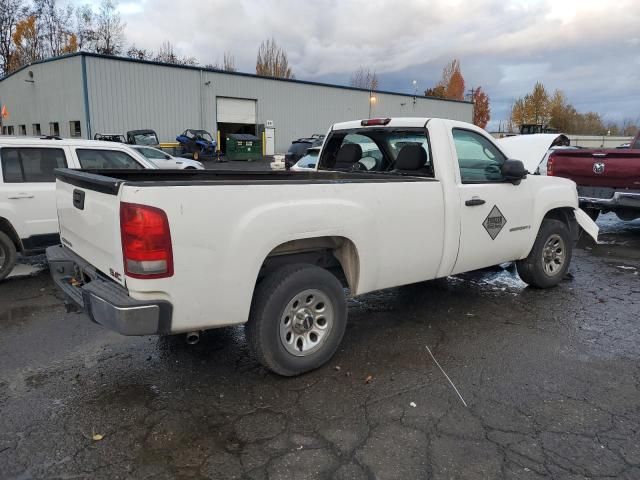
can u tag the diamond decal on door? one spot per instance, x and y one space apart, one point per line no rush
494 223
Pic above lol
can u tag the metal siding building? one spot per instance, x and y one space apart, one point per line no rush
113 95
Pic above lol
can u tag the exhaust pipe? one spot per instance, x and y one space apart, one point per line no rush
193 338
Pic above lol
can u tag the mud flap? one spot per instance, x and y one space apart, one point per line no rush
586 223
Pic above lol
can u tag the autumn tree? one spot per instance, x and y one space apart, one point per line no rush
451 84
364 78
26 40
534 108
272 61
109 30
481 109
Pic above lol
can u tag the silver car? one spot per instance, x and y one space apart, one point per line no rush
165 161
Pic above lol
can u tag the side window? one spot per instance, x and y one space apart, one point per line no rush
154 154
31 164
479 159
106 159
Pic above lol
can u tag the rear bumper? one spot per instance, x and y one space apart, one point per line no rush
105 301
620 199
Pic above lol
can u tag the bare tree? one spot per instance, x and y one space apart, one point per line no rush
228 63
85 29
55 27
167 54
11 12
109 34
364 78
272 61
139 53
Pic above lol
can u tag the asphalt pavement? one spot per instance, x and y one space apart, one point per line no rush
548 382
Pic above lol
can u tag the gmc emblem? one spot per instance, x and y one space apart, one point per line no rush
598 167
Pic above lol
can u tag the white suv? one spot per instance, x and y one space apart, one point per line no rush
28 218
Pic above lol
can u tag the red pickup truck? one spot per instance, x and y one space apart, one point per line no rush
608 179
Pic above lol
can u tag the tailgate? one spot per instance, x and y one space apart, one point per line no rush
617 169
89 217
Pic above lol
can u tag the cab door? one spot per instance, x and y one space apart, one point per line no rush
29 192
496 215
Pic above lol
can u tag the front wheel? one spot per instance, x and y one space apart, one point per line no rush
550 256
297 320
8 255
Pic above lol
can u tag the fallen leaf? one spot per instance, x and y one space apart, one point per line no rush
368 379
413 404
337 368
97 437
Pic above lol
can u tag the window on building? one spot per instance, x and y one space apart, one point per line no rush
22 129
10 130
54 129
35 128
31 164
74 128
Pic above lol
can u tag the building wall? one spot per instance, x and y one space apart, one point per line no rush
126 95
55 95
129 95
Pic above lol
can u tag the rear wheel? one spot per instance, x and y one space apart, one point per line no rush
550 256
297 320
8 255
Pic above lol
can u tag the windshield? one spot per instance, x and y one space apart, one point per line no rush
154 153
203 134
309 160
145 139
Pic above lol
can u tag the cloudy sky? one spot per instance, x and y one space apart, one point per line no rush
589 49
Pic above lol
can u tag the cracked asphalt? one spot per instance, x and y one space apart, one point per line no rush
551 380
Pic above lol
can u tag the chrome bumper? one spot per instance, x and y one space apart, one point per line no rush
619 199
106 302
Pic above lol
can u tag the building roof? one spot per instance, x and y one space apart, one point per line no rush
213 70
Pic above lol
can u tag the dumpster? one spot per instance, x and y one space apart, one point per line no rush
243 146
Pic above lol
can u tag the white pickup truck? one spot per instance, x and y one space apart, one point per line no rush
158 252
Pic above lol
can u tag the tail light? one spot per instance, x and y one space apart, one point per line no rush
550 165
375 121
146 241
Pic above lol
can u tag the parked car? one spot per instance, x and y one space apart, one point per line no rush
28 218
283 247
165 161
608 179
624 145
299 148
308 162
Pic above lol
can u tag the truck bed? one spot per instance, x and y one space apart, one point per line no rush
109 181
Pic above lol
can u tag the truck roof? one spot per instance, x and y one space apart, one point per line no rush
412 122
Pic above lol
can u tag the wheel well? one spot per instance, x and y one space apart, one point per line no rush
567 216
7 228
337 254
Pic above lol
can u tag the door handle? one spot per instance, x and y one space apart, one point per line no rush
474 202
18 196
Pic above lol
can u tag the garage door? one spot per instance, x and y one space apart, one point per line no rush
236 110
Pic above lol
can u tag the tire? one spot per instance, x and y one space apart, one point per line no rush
285 343
190 168
593 213
549 259
8 255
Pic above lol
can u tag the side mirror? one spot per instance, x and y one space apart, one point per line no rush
513 171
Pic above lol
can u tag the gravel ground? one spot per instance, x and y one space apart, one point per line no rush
551 382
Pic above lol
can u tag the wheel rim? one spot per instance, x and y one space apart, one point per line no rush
553 255
306 322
